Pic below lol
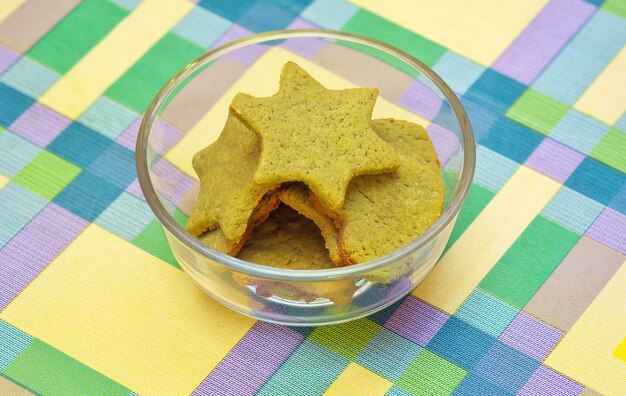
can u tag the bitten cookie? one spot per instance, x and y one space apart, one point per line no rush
297 197
287 240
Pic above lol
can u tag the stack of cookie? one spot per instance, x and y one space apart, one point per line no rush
305 179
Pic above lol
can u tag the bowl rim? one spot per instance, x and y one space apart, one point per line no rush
164 217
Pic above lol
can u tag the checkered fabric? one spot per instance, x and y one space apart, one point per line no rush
92 300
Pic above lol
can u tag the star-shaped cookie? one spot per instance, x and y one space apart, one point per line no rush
314 135
228 195
218 241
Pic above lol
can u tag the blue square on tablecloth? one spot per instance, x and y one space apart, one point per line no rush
15 153
573 210
481 117
30 77
619 202
461 343
329 14
229 9
126 217
12 343
473 385
493 169
597 181
486 312
395 391
311 368
495 91
381 317
13 104
108 117
579 131
506 367
115 164
458 71
88 195
511 139
305 331
12 221
127 4
202 27
266 15
388 354
79 144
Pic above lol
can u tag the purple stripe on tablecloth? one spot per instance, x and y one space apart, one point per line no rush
306 47
33 248
135 189
546 381
164 136
416 321
544 37
246 55
252 361
555 159
610 229
530 336
7 58
40 124
421 99
170 182
446 143
128 138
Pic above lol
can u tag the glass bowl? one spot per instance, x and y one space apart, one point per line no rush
189 113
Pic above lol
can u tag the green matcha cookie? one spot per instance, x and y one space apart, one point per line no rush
408 139
287 240
297 197
382 213
218 241
228 194
317 136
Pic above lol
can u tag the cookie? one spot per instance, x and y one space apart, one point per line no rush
297 197
218 241
228 194
314 135
287 240
408 139
382 213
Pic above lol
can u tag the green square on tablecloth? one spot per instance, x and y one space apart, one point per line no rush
431 374
47 174
47 370
537 111
617 7
346 339
152 239
611 149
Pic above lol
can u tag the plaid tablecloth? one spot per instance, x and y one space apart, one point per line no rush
93 302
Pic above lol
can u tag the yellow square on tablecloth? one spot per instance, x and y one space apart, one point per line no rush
128 315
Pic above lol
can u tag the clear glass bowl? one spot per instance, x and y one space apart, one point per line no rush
189 113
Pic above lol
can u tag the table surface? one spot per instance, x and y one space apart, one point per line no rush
535 297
